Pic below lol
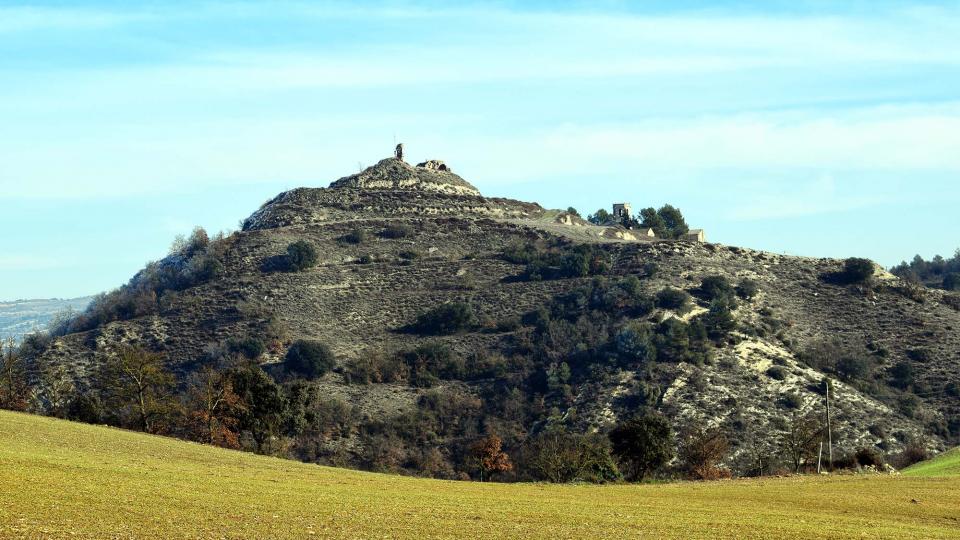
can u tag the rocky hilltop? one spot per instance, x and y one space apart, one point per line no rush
395 241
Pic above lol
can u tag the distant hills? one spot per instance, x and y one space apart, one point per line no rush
20 317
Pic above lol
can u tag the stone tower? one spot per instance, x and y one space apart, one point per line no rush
622 211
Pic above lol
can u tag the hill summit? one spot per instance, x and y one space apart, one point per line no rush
395 174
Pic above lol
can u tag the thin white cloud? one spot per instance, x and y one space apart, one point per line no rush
14 19
926 138
22 262
780 200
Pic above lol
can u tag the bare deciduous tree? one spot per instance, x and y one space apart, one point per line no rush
138 380
801 438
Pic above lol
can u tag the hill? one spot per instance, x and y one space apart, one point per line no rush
67 480
561 325
19 317
946 464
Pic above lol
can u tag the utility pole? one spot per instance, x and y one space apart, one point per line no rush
826 382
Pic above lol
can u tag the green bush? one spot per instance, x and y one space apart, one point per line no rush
719 321
748 288
852 367
311 359
902 374
777 372
356 236
673 299
791 400
857 270
398 230
634 343
644 444
432 361
446 319
301 255
249 347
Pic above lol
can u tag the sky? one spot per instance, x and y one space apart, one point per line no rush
807 128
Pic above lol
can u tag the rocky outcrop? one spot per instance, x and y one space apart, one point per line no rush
394 174
434 165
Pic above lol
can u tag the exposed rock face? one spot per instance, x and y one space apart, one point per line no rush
434 165
394 174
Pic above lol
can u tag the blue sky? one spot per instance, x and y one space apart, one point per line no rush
795 127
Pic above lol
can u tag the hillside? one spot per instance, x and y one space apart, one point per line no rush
19 317
67 480
581 350
944 465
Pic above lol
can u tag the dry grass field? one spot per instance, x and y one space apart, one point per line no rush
66 480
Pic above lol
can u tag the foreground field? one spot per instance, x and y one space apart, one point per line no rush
61 479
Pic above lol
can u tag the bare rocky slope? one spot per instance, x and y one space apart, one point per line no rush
360 296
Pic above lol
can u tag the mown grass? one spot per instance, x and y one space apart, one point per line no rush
946 464
66 480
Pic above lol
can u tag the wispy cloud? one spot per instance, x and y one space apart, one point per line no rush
31 262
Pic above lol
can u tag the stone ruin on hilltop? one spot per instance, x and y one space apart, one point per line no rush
395 174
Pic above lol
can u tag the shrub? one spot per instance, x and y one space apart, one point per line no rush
857 270
719 321
376 368
301 255
520 252
643 444
777 372
852 367
748 288
634 344
867 457
364 259
702 452
791 400
311 359
559 456
716 288
446 319
914 451
356 236
409 255
673 299
249 347
432 361
399 230
901 374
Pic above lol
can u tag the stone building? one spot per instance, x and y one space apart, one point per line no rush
695 235
621 211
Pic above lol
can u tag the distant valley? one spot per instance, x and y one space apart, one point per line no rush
20 317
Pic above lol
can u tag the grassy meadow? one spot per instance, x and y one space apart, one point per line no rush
67 480
946 464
